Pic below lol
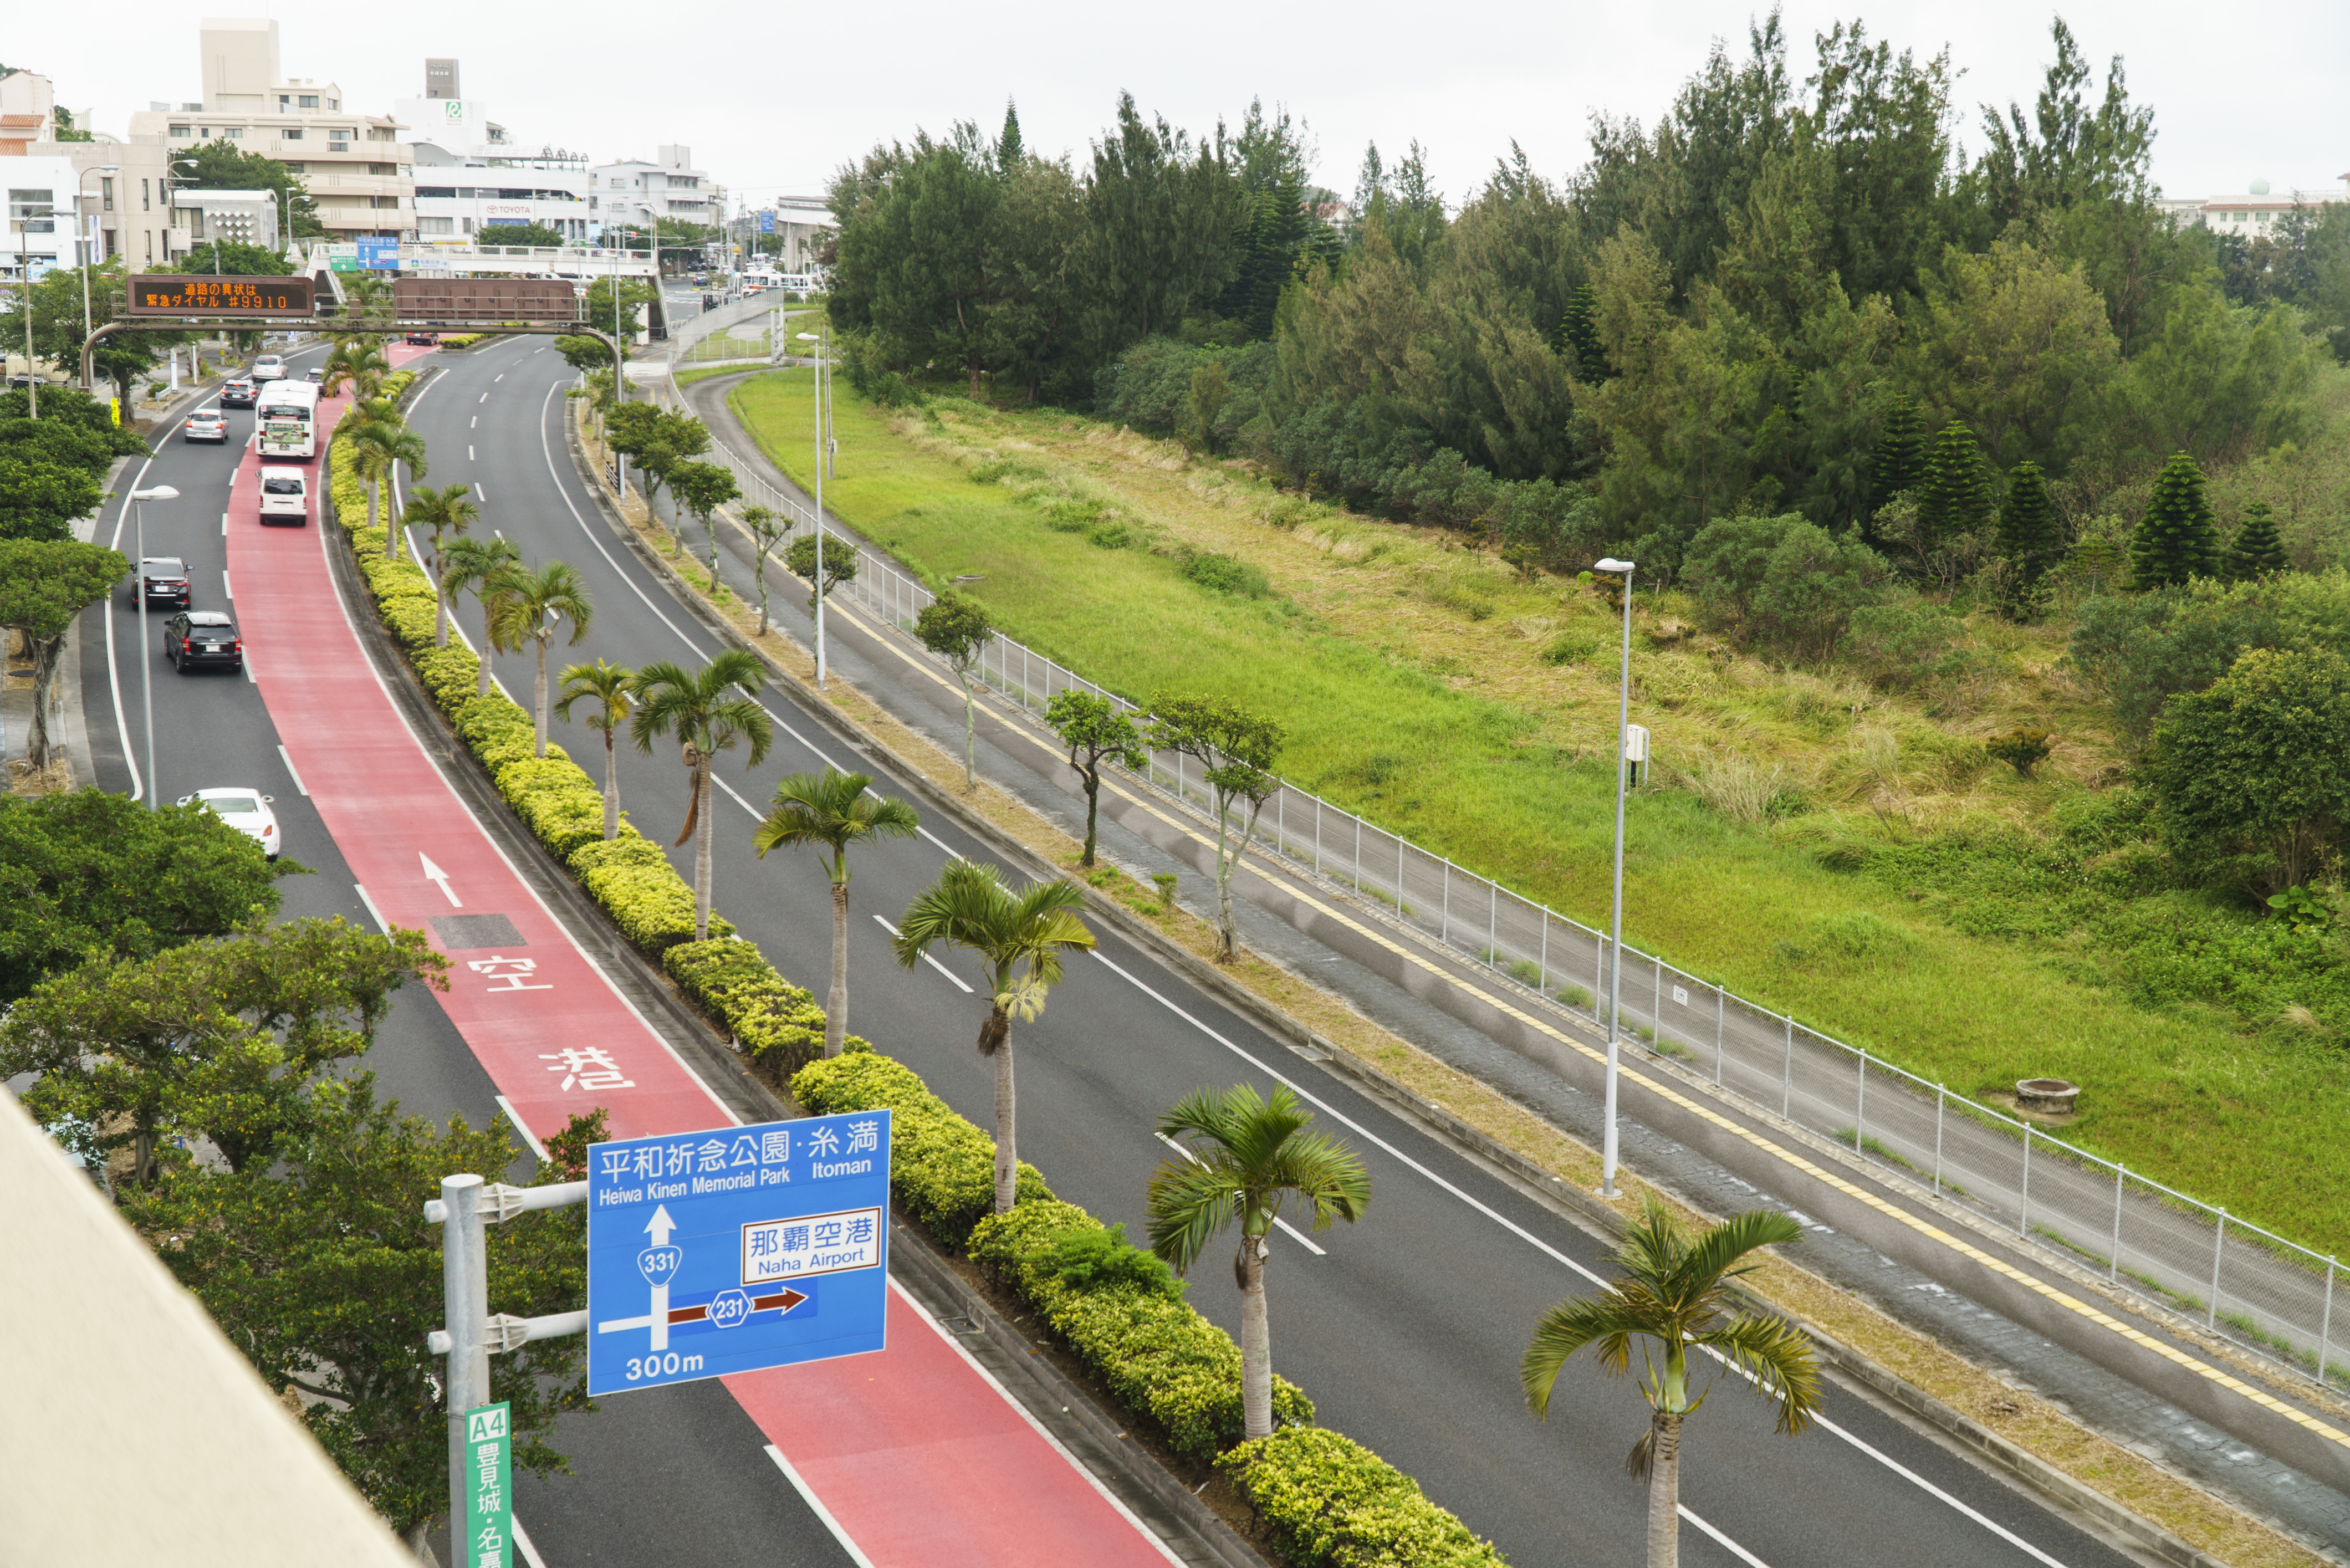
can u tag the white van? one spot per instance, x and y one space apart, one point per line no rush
285 497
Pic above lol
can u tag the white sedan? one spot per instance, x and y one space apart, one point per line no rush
246 810
269 368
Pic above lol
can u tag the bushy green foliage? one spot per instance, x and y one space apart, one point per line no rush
2177 538
1782 581
633 881
449 674
778 1024
1954 497
2029 534
2256 550
1897 461
1330 1502
1084 1260
1224 574
941 1168
2021 750
2253 774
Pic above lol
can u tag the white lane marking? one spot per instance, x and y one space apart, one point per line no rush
483 496
815 1505
1302 1239
540 349
522 1542
226 592
113 668
499 377
933 962
473 422
469 458
1523 1234
223 524
521 1127
1037 1427
1727 1544
381 923
483 399
299 788
253 678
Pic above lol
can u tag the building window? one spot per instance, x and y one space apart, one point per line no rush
335 105
429 226
378 133
146 205
151 256
291 135
106 194
187 130
285 103
339 135
295 168
383 169
309 100
434 192
234 132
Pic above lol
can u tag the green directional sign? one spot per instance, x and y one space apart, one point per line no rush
488 1540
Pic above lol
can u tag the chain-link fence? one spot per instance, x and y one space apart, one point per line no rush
2267 1295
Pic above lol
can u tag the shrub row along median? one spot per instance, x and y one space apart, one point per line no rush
1326 1500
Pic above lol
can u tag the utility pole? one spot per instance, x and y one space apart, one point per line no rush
24 292
139 499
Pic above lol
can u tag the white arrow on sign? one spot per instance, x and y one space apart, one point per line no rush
434 873
660 1226
656 1316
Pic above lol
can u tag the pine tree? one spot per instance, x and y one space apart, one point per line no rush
2257 550
1954 495
2177 538
2027 524
1579 337
1009 148
1898 461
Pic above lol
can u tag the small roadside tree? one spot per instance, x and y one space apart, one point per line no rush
702 488
612 689
1097 731
1235 750
708 710
2252 773
2177 538
839 565
956 629
768 529
828 812
44 584
41 497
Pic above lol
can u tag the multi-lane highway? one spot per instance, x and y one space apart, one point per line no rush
1406 1328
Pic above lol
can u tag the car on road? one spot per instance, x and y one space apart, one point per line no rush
317 373
246 810
162 580
421 338
207 424
284 498
269 368
239 393
193 639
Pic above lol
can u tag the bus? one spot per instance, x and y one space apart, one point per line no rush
287 416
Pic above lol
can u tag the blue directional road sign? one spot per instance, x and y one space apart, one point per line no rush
766 222
379 253
735 1249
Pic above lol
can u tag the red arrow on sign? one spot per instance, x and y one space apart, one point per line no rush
783 1301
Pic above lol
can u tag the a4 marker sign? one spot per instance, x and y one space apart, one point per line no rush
736 1249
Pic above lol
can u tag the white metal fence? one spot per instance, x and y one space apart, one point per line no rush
2266 1293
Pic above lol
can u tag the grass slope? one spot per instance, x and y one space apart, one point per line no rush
1412 677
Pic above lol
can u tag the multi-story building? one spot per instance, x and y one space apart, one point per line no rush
119 188
788 232
634 195
2252 214
358 172
472 177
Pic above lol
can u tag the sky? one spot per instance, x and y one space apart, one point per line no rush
772 99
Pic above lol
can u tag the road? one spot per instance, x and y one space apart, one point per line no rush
1406 1329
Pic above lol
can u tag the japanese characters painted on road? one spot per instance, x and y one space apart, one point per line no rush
489 1488
738 1248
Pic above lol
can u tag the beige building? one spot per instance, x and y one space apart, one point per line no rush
358 172
120 187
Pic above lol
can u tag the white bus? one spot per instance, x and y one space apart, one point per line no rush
287 415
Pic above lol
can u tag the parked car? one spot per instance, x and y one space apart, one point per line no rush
162 580
246 810
196 638
284 498
421 338
207 424
239 393
269 368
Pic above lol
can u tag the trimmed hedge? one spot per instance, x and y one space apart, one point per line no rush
1155 1351
1328 1500
772 1021
941 1168
640 890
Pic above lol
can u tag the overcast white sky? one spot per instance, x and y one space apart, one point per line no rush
772 99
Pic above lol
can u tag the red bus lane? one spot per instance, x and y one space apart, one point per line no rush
914 1453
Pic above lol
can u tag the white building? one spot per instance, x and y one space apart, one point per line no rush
121 187
634 195
472 177
2252 214
40 233
787 233
357 171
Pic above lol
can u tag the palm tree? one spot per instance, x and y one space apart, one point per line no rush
1674 1289
480 565
1021 936
1243 1157
613 689
529 604
357 363
830 811
448 510
708 716
383 443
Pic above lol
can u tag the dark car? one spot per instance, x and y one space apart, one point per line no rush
193 639
421 338
238 394
162 580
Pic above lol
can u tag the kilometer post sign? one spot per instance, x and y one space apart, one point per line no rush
736 1249
201 293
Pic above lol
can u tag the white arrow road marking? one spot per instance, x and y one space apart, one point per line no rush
434 873
933 963
1295 1232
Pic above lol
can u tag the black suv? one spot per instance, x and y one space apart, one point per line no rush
196 638
162 580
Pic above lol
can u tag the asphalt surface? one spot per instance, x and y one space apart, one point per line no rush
1406 1329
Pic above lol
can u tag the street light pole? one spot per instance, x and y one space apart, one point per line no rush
1615 927
819 343
146 651
89 256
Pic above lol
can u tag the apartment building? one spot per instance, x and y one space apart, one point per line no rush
358 172
474 177
633 194
2250 215
117 188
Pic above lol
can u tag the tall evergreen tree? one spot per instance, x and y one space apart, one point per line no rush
2257 550
1579 337
2177 538
1009 148
1954 497
2027 524
1897 461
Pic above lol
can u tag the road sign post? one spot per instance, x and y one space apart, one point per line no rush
736 1249
488 1540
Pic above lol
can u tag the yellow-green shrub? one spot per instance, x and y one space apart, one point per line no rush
772 1019
449 674
642 892
1330 1501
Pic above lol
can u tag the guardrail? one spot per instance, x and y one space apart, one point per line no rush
2266 1293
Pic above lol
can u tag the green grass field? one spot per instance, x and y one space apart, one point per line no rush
1496 768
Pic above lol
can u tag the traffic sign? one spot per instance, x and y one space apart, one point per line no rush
378 253
736 1249
206 294
489 1489
767 222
